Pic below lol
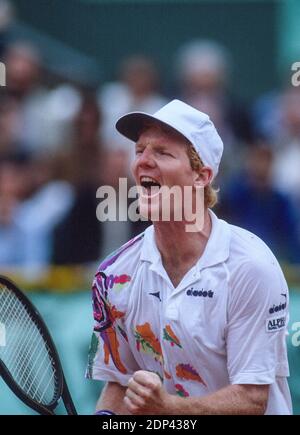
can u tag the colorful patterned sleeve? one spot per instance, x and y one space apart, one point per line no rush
110 358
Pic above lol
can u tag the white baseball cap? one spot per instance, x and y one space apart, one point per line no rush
194 125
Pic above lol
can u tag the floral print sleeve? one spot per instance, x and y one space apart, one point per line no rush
109 355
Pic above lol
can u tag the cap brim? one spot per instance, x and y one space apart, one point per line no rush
132 124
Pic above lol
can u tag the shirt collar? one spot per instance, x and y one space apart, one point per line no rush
217 247
150 251
216 250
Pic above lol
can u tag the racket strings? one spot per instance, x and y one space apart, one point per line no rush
24 352
31 343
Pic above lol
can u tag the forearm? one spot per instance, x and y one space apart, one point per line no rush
231 400
112 397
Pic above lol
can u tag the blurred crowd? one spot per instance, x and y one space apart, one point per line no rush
58 145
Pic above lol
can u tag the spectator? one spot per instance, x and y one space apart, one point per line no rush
31 204
137 89
286 174
8 121
15 185
27 96
203 70
6 18
78 237
251 201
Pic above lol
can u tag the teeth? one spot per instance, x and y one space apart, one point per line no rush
148 179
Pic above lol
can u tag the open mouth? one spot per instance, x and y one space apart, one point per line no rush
150 186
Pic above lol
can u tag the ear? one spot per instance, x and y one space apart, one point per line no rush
203 177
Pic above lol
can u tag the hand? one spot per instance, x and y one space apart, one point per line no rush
145 394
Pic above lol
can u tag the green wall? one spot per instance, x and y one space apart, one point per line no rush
108 31
289 34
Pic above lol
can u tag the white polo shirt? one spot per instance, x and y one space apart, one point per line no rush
225 323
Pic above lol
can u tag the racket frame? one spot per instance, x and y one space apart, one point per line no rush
63 390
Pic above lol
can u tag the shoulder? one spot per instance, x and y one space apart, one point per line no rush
115 272
252 266
247 248
123 254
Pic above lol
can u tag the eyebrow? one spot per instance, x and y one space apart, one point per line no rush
156 146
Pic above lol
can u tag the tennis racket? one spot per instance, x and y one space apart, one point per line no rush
29 362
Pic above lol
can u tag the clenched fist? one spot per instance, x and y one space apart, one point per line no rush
145 395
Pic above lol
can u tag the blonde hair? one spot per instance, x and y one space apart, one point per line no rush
210 194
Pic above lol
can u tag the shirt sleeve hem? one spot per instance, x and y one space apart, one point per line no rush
100 374
259 378
267 377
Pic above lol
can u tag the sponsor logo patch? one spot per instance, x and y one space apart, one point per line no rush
157 295
203 293
274 324
280 307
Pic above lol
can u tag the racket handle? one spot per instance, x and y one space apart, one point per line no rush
104 412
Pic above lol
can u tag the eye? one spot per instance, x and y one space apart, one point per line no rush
166 153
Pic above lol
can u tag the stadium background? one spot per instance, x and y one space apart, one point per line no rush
71 68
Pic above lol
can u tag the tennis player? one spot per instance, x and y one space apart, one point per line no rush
188 322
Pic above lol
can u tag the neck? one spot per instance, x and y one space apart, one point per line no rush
176 245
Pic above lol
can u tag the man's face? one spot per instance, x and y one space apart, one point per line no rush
161 162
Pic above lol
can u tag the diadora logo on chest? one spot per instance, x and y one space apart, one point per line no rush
199 293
